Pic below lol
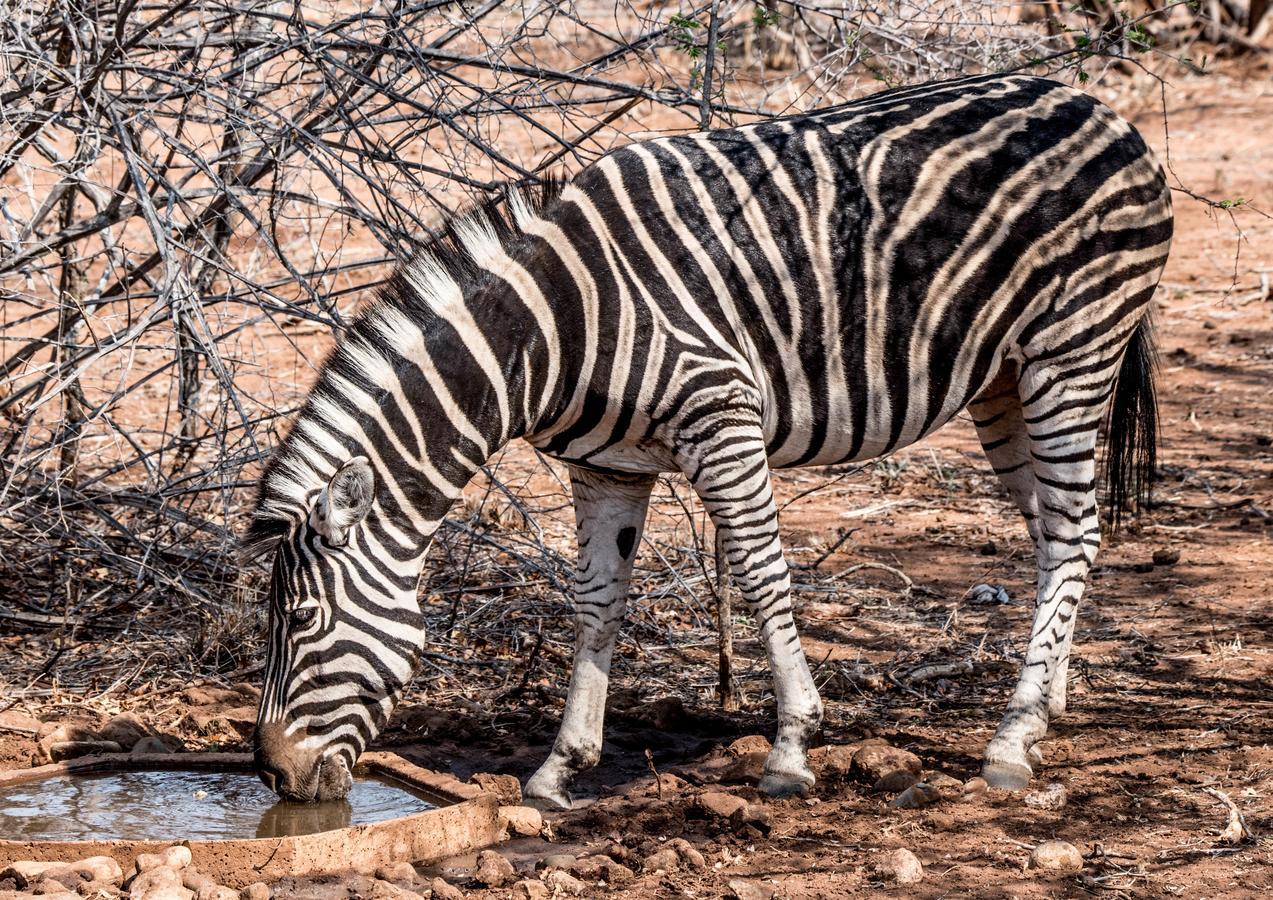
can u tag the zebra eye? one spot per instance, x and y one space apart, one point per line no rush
301 616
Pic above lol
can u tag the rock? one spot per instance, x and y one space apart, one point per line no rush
62 734
917 796
834 760
1050 797
99 868
105 890
399 873
440 888
557 861
720 804
753 814
153 744
194 880
28 873
975 785
886 768
506 787
493 870
208 696
13 720
50 887
387 890
159 883
1166 557
688 853
752 743
949 786
664 714
524 820
900 866
665 860
257 890
125 730
63 750
529 889
216 892
1056 856
749 890
564 884
177 857
602 868
237 720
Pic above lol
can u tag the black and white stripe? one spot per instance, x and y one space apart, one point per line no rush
804 291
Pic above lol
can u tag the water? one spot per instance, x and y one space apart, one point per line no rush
178 805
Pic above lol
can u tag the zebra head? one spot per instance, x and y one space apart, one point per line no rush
344 635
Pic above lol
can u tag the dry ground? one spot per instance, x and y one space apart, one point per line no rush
1171 688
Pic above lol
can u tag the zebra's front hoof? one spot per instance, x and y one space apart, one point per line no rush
1008 776
545 792
784 784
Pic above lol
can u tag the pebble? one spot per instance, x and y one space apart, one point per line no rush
216 892
1051 797
564 883
688 853
900 866
207 696
1166 557
751 743
1056 856
441 889
749 890
493 870
529 889
524 820
93 868
917 796
50 887
886 768
105 890
257 890
594 868
975 785
150 744
387 890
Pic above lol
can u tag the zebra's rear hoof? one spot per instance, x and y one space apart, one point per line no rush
783 785
548 804
1006 776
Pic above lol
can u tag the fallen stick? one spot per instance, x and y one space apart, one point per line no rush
1236 831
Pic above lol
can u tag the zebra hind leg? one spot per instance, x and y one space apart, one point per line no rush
610 516
731 476
1059 419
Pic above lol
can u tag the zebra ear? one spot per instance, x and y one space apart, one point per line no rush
345 501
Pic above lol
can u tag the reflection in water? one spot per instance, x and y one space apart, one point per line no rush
285 818
177 805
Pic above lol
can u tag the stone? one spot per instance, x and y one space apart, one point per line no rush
153 744
99 868
51 887
564 884
886 768
899 866
105 890
832 761
947 785
20 895
209 696
399 873
194 880
688 853
216 892
530 889
59 751
665 860
663 714
753 814
64 734
1166 557
720 804
493 870
748 890
238 720
257 890
557 861
1056 856
441 889
1049 797
125 730
177 857
524 820
159 883
28 873
975 785
387 890
917 796
506 787
601 868
14 720
752 743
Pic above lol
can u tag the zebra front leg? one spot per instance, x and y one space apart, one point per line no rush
1068 537
609 518
732 478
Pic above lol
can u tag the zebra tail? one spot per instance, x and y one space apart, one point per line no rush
1131 427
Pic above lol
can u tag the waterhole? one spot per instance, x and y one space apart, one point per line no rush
177 805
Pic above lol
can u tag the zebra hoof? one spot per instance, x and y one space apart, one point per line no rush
783 785
1006 776
548 804
546 794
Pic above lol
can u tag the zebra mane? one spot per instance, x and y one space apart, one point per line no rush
447 267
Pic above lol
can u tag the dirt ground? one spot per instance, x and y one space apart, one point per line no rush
1171 687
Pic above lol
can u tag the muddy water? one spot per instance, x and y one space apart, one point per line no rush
186 805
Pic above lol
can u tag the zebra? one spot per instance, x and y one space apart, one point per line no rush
809 290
